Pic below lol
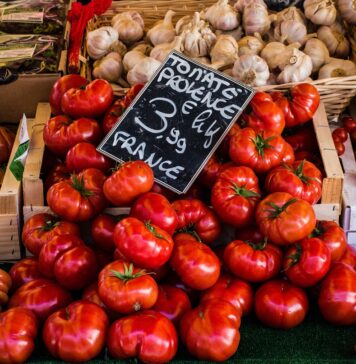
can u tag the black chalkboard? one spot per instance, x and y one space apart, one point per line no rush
177 121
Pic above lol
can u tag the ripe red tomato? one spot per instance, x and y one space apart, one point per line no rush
41 296
223 149
253 262
168 194
76 333
129 181
307 262
61 86
340 135
156 209
79 198
349 256
209 173
132 93
311 157
211 330
102 232
233 290
90 102
249 233
143 243
148 336
23 271
288 154
41 228
58 173
126 289
7 139
17 335
60 133
285 219
113 114
280 304
349 123
5 286
340 148
235 194
303 139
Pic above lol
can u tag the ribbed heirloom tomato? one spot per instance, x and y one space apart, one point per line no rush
25 270
5 285
102 232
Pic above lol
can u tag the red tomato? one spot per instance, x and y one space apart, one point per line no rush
132 93
17 335
340 135
211 330
61 86
148 336
129 181
41 228
303 139
288 154
126 289
58 173
307 262
26 270
253 262
168 194
285 219
7 139
337 300
156 209
102 231
223 149
90 102
79 198
194 216
235 194
41 296
113 114
209 173
310 157
76 333
233 290
144 244
340 148
280 304
250 233
349 123
61 133
103 258
349 256
5 285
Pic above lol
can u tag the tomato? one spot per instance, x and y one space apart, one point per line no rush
17 335
333 237
253 262
250 234
41 228
195 217
261 151
76 333
211 330
349 123
58 173
223 149
61 86
23 271
102 232
156 209
125 288
349 256
303 139
7 138
300 105
60 133
340 148
285 219
280 304
79 198
233 290
5 285
209 173
235 194
337 300
310 157
288 154
132 93
103 258
340 135
130 180
148 336
195 263
143 243
90 101
113 114
41 296
168 194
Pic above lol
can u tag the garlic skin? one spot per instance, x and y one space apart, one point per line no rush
334 38
236 33
255 19
320 12
251 45
290 31
108 68
225 51
222 16
240 5
290 13
251 70
143 71
163 31
119 47
183 24
161 51
100 40
347 10
276 53
135 55
318 52
129 25
298 67
337 68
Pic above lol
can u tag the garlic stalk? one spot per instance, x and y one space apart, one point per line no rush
337 68
163 31
318 52
320 12
129 25
222 16
225 51
135 55
250 44
251 70
255 19
161 51
143 71
334 38
99 41
291 31
108 68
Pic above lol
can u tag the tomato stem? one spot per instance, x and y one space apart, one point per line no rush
50 224
294 257
79 185
153 230
242 191
318 230
262 144
276 210
128 273
190 229
258 246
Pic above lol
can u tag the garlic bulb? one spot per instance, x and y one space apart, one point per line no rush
240 5
276 53
291 31
129 25
334 39
183 24
222 16
290 13
225 51
251 70
100 40
321 12
228 72
119 47
297 68
143 71
255 19
108 68
318 53
337 68
163 31
236 33
135 55
250 45
203 60
347 10
161 51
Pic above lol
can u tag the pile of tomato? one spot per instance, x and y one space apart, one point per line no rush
341 134
177 268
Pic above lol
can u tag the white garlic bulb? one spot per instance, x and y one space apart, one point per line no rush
161 51
163 31
290 31
143 71
129 25
225 51
321 12
203 60
251 70
240 5
317 51
251 44
334 38
290 13
236 33
135 55
222 16
255 19
99 41
276 53
337 68
183 24
347 10
108 68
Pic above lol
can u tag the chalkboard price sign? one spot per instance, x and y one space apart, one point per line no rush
177 121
